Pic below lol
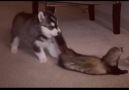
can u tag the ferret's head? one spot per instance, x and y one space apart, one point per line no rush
116 51
111 61
49 24
112 56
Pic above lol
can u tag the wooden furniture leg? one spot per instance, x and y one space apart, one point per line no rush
35 7
91 10
50 8
116 12
116 18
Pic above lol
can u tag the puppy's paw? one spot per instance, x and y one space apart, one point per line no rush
14 50
43 60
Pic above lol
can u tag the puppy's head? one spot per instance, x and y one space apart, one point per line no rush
49 24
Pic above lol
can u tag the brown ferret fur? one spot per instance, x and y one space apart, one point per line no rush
87 64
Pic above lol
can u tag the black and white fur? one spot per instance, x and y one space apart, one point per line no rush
36 31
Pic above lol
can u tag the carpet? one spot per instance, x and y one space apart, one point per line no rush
82 35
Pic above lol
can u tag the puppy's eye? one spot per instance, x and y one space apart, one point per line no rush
51 27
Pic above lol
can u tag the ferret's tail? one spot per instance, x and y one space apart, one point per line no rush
61 43
64 48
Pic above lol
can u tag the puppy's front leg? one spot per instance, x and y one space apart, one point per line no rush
53 50
39 51
15 44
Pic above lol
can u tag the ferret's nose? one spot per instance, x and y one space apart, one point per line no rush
121 49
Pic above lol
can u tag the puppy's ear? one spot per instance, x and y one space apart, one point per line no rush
41 16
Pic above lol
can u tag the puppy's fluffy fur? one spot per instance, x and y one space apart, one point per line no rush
36 31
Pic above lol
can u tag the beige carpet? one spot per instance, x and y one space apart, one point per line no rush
84 36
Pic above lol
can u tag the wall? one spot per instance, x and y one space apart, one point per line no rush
104 14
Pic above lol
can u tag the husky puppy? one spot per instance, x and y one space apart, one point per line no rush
87 64
37 32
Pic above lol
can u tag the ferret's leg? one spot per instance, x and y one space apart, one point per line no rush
15 44
39 52
116 71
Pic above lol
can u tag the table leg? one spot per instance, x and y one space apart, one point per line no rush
116 18
35 7
91 9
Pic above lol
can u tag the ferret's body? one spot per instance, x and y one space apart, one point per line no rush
87 64
84 64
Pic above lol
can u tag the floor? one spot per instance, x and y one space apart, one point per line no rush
86 37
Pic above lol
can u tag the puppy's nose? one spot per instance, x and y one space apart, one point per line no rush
59 33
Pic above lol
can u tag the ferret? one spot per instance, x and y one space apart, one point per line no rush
89 64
